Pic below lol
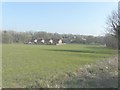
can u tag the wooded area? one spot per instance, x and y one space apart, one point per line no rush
21 37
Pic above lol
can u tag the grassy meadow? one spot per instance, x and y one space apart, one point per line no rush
22 64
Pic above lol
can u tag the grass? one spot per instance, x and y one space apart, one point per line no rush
24 64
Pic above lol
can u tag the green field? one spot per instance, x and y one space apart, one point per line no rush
24 64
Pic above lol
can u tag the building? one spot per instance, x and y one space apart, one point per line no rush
35 41
51 41
46 41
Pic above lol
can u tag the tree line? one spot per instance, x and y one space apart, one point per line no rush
21 37
9 37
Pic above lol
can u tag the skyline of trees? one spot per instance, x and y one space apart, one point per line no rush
21 37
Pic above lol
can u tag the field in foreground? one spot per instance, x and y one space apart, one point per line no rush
24 65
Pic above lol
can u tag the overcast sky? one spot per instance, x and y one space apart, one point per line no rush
61 17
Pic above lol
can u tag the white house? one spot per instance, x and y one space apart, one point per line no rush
42 41
35 41
51 41
29 42
60 41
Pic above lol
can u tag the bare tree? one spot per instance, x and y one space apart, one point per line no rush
113 24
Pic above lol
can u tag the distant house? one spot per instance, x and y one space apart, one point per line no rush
60 41
35 41
46 41
40 41
27 42
57 41
51 41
